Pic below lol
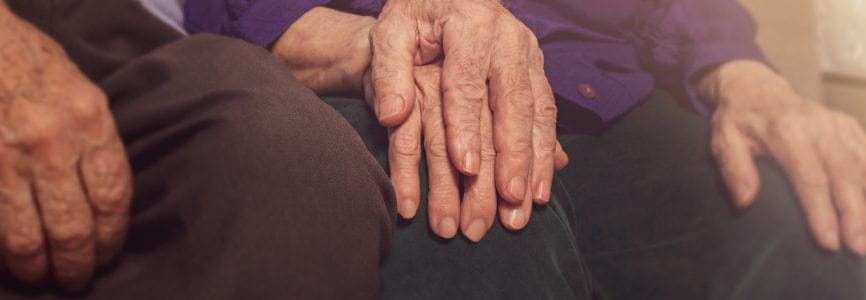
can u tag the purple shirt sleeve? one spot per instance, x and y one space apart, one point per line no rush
680 40
260 22
602 58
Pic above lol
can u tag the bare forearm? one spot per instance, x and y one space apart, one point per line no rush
327 50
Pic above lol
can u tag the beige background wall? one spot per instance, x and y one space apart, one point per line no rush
787 32
842 36
811 43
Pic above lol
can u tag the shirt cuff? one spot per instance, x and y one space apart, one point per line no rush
707 56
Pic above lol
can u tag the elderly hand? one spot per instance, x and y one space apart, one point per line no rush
823 152
328 59
487 53
477 210
479 205
65 182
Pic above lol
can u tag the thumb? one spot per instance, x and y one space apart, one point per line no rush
737 166
394 42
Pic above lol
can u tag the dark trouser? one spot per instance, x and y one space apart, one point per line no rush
248 186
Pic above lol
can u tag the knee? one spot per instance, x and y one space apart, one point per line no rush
248 130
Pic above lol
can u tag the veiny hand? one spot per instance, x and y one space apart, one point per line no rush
483 46
426 122
328 59
822 152
65 182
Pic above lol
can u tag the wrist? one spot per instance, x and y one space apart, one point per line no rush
733 81
328 59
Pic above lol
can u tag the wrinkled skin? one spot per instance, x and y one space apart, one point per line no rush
528 138
490 62
823 152
405 148
65 182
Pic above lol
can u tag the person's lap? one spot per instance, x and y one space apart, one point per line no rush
653 219
638 213
246 184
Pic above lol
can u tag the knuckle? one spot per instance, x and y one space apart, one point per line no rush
405 145
539 55
88 104
109 187
718 145
488 155
24 245
545 115
73 235
517 145
466 88
40 130
435 145
518 154
785 126
385 74
813 181
547 147
112 199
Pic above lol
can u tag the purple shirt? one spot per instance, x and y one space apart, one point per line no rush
601 57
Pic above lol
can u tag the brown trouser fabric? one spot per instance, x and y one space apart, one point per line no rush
247 186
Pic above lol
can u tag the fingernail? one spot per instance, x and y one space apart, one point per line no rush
831 239
470 164
390 107
517 188
860 244
744 195
539 192
476 230
447 228
407 209
516 220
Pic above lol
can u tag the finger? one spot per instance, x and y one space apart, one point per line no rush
404 154
515 216
801 163
839 154
479 201
852 210
443 198
429 46
394 43
543 133
512 103
560 158
737 165
464 77
68 222
107 180
23 247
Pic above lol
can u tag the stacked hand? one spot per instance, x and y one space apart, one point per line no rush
65 183
489 114
492 79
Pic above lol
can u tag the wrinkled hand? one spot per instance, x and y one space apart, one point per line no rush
475 214
65 182
491 62
328 59
822 152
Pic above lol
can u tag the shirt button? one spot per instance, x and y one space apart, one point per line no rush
587 91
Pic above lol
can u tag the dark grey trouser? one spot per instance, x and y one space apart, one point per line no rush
248 186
